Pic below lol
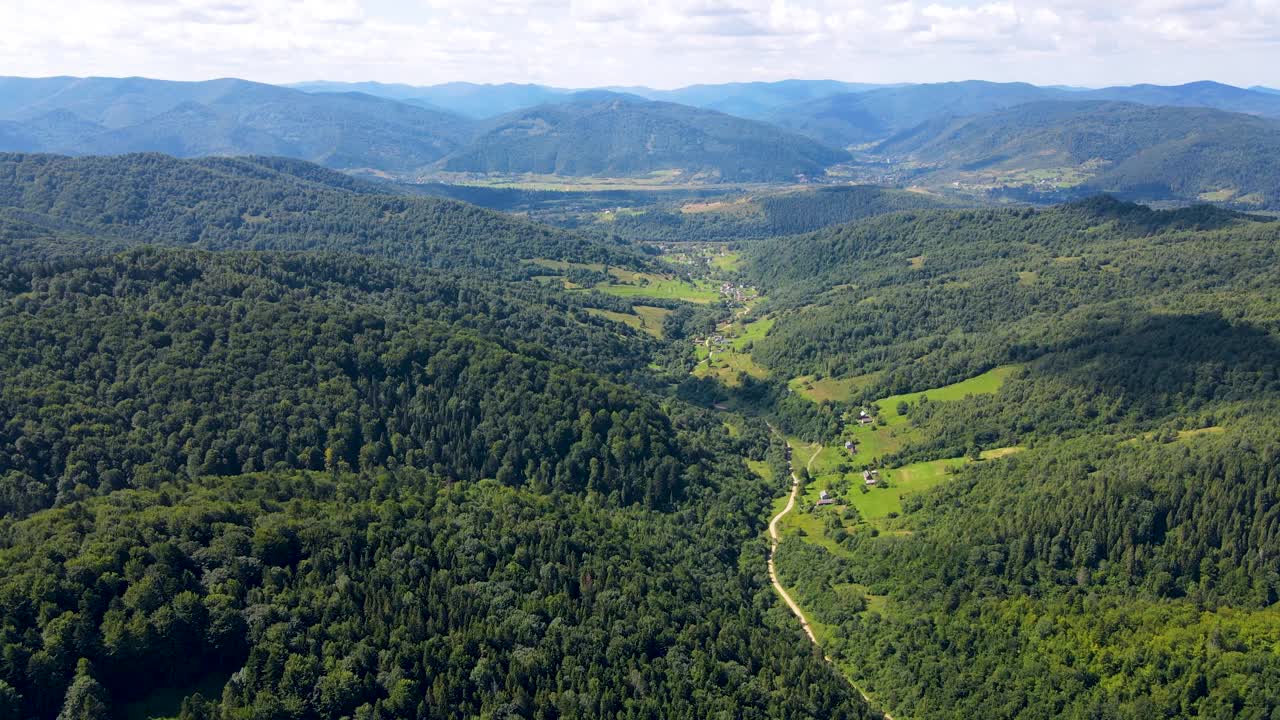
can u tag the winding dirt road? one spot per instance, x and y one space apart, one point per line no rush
773 573
775 537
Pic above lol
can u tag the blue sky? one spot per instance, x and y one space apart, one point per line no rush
661 43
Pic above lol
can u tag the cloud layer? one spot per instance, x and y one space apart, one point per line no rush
663 43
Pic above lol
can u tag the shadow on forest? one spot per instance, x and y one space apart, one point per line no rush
1159 360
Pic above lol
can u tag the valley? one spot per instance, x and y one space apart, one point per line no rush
592 360
639 410
963 142
893 472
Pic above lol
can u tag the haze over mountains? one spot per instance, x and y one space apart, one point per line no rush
852 119
610 134
778 132
1162 152
88 116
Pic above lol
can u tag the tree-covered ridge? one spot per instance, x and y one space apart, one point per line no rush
1104 542
609 134
862 117
130 370
394 595
935 297
274 204
1151 152
103 116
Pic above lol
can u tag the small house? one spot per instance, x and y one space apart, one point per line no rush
870 477
848 445
825 498
864 418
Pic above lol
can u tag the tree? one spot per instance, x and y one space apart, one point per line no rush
86 699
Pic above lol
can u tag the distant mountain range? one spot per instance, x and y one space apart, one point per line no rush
859 118
107 116
1155 152
701 133
744 99
612 134
473 100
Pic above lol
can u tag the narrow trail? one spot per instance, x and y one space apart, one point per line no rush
775 537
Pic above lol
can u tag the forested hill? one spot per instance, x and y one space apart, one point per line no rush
1154 152
921 300
1075 425
273 204
316 485
610 134
184 362
858 118
222 117
878 251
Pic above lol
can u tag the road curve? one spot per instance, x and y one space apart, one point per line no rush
773 550
774 538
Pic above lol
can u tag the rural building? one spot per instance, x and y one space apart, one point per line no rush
864 418
825 499
870 477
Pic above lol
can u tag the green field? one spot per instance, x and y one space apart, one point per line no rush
833 389
657 286
645 318
630 283
653 317
725 366
751 332
908 479
625 318
761 468
984 384
726 262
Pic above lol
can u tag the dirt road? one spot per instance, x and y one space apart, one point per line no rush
775 537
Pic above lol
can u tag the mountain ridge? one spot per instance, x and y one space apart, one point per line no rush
607 133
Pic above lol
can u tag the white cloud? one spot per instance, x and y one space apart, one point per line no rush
661 42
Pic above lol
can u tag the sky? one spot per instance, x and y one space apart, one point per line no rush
658 43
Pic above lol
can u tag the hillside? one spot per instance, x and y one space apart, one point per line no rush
240 444
274 204
1073 422
1152 152
618 135
858 118
85 116
1202 94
